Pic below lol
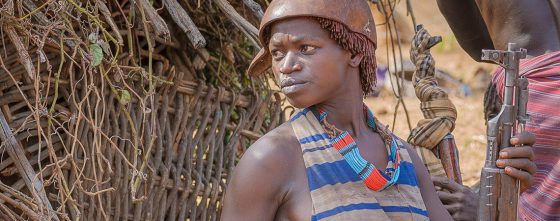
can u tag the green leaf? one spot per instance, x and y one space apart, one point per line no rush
125 97
234 115
92 37
97 53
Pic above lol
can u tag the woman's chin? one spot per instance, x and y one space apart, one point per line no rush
299 103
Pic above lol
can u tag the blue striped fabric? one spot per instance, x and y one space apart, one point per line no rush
347 208
314 138
338 192
409 178
299 114
322 174
405 209
370 206
316 149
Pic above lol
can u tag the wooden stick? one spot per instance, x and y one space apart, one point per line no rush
15 151
182 19
247 28
255 8
24 57
107 15
156 22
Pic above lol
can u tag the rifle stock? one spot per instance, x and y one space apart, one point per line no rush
499 192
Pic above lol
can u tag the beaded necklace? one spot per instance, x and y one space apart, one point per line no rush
372 177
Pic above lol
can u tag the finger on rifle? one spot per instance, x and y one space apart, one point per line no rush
463 216
517 152
446 183
521 175
448 198
518 163
453 208
523 138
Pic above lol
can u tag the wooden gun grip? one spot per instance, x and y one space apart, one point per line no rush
448 154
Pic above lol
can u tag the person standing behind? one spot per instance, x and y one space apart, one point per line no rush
533 25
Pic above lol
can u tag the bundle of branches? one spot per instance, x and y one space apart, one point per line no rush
126 109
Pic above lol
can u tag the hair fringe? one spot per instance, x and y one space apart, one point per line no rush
357 44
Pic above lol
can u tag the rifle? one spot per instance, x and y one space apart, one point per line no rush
498 191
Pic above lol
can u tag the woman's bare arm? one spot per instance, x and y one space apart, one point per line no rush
435 208
256 188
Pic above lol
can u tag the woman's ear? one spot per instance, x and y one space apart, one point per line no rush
356 59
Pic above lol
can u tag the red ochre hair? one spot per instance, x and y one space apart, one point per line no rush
356 44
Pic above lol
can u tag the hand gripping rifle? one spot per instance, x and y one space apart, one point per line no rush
498 191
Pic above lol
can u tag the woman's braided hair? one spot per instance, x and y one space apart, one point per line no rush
355 43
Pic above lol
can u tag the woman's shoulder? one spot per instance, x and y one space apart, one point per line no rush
276 148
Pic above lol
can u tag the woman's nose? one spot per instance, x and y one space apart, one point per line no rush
290 64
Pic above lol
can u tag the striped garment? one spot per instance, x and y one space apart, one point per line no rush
338 192
542 200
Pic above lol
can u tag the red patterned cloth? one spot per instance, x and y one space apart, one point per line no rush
542 200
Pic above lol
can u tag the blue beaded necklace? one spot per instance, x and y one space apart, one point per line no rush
372 177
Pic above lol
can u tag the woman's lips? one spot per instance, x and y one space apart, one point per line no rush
293 87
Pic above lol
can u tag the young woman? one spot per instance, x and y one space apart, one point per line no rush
333 160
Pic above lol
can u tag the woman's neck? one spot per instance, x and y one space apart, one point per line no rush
346 112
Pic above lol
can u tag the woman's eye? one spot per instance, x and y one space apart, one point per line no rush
306 49
277 54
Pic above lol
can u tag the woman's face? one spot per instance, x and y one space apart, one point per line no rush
308 65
